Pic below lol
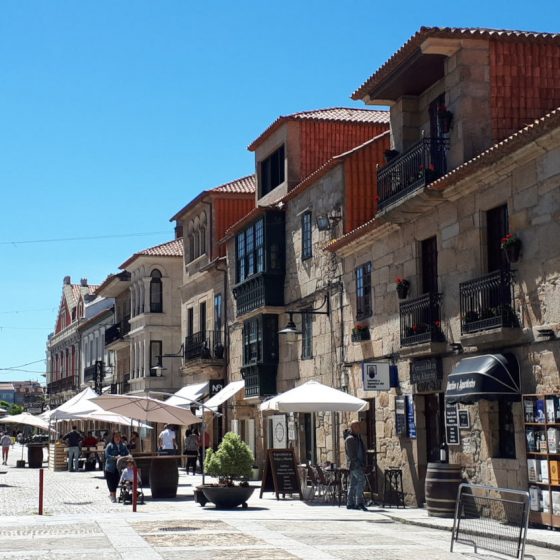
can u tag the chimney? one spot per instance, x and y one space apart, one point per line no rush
66 280
83 282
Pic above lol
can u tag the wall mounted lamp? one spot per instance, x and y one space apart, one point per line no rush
327 221
291 328
158 370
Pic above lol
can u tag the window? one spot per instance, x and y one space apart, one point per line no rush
363 291
156 293
306 336
252 341
306 242
190 321
196 237
250 251
496 227
218 313
155 355
506 430
272 171
202 317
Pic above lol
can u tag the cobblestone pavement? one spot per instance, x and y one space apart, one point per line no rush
80 523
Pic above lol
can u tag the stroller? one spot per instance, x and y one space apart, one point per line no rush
125 483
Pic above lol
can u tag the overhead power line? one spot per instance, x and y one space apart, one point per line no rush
62 239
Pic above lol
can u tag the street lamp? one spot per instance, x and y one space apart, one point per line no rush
291 329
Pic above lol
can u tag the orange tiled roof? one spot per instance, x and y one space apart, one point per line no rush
172 248
487 158
327 166
78 289
337 114
244 185
411 46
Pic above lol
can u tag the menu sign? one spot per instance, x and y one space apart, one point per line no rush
400 415
280 473
426 375
452 424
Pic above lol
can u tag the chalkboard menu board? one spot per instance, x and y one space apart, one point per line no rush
451 424
400 416
280 473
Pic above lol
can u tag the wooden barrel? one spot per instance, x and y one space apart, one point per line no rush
35 455
164 477
442 484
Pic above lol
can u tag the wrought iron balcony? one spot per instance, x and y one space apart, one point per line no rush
259 290
425 162
260 380
420 320
117 331
65 384
486 302
206 345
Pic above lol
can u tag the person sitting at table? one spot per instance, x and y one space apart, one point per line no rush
90 440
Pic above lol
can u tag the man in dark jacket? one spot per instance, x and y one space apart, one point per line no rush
73 440
356 457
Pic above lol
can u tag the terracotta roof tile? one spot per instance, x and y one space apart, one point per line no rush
487 158
172 248
334 114
411 46
242 186
245 185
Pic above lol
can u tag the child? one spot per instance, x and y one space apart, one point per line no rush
127 475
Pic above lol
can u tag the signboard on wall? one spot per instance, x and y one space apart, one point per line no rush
410 417
376 376
215 386
400 416
426 375
452 424
279 432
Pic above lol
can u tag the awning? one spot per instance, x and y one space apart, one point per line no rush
186 395
226 393
491 376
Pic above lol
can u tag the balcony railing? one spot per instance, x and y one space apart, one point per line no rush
260 380
420 320
258 291
117 331
90 373
423 163
206 345
65 384
486 302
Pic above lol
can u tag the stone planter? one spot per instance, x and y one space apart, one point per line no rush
227 497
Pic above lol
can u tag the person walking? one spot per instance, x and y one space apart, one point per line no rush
113 452
73 440
191 450
6 442
167 442
356 457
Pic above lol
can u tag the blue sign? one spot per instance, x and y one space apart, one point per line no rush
411 424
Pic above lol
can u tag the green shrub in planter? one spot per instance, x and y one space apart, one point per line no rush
233 459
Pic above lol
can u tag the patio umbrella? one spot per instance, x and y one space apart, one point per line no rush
146 409
314 397
27 419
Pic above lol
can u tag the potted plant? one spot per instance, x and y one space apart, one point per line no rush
402 287
360 331
445 118
232 460
511 245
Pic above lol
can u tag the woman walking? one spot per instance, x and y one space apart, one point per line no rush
113 452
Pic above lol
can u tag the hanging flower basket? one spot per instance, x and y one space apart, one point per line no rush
402 287
511 245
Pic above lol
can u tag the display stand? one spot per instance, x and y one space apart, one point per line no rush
541 413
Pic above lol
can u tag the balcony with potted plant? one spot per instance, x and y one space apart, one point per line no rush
510 244
360 332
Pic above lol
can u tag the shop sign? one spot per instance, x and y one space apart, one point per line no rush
426 375
411 423
376 376
215 386
400 415
452 424
464 420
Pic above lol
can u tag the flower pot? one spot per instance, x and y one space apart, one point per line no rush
227 497
402 291
512 252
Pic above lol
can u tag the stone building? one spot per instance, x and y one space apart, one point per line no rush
265 266
63 346
205 292
458 184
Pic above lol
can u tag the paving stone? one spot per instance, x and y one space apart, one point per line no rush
196 539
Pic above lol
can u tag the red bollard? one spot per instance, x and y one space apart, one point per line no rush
134 487
41 488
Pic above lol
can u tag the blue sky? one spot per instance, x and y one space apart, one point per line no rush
113 115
